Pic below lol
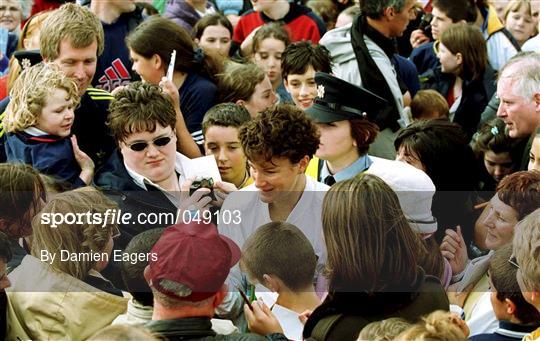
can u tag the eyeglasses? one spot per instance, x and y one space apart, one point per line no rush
158 142
512 260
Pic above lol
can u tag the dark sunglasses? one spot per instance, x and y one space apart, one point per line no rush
513 261
159 142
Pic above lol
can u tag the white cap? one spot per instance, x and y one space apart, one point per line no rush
414 189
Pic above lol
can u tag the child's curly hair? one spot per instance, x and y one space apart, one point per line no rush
30 93
283 131
439 325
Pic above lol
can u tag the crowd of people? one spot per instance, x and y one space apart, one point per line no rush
269 170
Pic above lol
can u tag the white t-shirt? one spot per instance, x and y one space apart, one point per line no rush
306 215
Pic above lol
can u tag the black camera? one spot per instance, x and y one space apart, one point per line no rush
203 183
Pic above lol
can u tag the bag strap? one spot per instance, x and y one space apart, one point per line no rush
323 327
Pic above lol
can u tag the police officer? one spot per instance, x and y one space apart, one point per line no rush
344 114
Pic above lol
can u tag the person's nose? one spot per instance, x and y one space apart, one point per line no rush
79 71
222 155
304 90
501 111
274 98
488 221
152 150
70 114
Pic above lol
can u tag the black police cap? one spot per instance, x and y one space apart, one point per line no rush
338 100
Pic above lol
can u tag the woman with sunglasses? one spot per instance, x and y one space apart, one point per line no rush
63 272
144 176
518 195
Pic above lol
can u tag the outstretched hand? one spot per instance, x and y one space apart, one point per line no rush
85 162
453 248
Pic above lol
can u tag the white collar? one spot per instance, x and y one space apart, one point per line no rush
34 131
142 181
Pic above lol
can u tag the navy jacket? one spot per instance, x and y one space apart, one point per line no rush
49 154
507 331
89 125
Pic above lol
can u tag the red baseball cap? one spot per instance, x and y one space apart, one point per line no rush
194 255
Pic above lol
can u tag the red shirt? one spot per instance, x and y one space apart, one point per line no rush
301 24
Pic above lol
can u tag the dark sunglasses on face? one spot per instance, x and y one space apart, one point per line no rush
158 142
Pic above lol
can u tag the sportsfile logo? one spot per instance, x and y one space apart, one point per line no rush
115 75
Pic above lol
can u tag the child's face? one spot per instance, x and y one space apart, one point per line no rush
534 160
439 23
57 115
302 88
499 308
268 57
215 39
262 98
450 63
498 165
262 5
223 143
521 24
147 68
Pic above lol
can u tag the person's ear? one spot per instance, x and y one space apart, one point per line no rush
389 13
220 296
157 62
196 40
271 283
240 102
146 274
535 298
510 307
302 164
537 101
459 58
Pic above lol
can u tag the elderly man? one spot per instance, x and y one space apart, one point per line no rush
518 89
363 55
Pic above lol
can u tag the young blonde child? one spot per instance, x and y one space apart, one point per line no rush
439 325
38 123
519 20
385 330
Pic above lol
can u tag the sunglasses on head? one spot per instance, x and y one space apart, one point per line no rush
512 260
158 142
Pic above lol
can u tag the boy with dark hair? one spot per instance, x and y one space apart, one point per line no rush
299 62
445 13
279 257
220 128
516 316
5 257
